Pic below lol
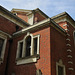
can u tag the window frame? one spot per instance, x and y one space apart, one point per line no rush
24 44
4 37
32 58
60 63
18 49
38 42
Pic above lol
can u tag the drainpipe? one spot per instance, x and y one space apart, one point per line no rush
8 56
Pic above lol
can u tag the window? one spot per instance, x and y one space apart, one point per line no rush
60 68
35 45
38 72
15 13
20 51
28 49
3 40
20 48
1 45
28 46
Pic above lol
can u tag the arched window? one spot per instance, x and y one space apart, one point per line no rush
60 68
28 46
28 49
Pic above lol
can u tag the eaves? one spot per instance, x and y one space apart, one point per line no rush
43 23
13 18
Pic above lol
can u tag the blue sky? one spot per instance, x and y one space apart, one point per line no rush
49 7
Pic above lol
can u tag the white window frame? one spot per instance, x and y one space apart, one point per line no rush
18 49
32 58
60 63
38 42
24 44
4 37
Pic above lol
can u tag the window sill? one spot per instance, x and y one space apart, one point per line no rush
26 60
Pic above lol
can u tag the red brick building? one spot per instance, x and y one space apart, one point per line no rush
31 43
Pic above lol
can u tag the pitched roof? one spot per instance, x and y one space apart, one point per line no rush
29 11
67 17
7 14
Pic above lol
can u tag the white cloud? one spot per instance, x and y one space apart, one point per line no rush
26 4
12 1
50 7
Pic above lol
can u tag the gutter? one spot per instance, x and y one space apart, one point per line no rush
59 15
38 25
35 26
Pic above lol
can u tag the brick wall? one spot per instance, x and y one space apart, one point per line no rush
43 63
70 46
58 49
69 29
39 17
7 26
23 16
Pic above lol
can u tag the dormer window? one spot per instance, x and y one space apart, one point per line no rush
28 49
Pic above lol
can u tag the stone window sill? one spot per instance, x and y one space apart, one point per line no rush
26 60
